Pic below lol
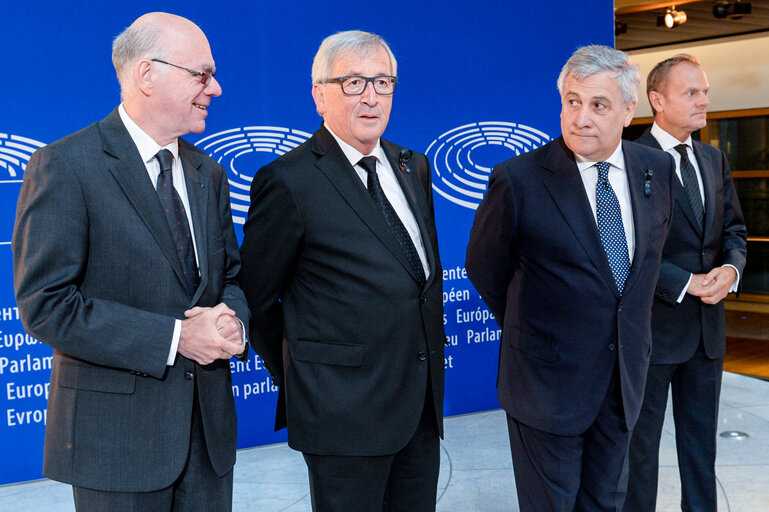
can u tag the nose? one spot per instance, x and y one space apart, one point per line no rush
704 100
582 117
369 95
213 88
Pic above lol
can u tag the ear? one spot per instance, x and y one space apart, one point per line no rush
320 101
144 76
657 101
630 112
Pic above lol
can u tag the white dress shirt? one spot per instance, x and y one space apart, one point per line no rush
392 190
668 143
618 181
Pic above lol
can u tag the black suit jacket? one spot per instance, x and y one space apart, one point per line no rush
536 258
677 327
98 278
338 315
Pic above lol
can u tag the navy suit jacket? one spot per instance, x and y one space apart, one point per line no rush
98 278
338 314
678 327
537 260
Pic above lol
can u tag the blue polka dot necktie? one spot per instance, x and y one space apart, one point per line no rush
396 226
177 219
610 227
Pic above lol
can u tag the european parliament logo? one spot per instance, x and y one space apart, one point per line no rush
15 151
243 151
462 158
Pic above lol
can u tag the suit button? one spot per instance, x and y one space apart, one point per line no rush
423 300
421 356
611 346
620 308
189 375
704 253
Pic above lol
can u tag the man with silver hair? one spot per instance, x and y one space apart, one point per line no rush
343 277
125 259
565 250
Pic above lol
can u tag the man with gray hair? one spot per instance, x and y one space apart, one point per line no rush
125 259
565 250
342 274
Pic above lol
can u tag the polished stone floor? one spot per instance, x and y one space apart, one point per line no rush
476 471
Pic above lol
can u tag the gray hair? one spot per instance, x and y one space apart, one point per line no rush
589 60
342 42
135 43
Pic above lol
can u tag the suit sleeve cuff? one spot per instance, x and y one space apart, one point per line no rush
175 342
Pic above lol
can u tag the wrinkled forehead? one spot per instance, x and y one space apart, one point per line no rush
357 60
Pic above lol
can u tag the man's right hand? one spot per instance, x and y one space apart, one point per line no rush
200 339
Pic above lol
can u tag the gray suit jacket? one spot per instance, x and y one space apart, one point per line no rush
98 279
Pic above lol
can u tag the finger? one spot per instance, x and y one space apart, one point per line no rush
194 311
223 309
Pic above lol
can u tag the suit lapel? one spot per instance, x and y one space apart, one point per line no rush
568 191
197 194
412 189
635 171
334 164
129 171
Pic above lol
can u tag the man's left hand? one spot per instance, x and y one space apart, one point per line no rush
716 284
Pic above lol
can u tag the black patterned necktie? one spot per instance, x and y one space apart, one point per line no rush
691 185
399 230
177 219
610 227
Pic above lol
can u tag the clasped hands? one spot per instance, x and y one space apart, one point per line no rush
712 287
209 334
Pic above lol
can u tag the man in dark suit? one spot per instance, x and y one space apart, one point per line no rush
135 288
565 250
342 274
702 261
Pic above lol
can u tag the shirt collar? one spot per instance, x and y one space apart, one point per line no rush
146 145
352 154
667 141
617 159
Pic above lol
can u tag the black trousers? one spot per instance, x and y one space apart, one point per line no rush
198 488
696 387
586 472
403 481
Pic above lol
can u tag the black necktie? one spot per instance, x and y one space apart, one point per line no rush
177 219
691 186
401 234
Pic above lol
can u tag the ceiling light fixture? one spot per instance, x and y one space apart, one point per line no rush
672 18
734 10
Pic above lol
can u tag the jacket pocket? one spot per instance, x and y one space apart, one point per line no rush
91 378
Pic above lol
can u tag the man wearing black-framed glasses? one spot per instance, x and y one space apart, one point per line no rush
124 262
342 273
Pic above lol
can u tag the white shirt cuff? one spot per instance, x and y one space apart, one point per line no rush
683 292
174 342
736 283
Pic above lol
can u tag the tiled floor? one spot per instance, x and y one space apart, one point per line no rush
476 471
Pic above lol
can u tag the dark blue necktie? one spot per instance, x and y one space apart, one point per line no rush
396 226
177 219
691 185
610 227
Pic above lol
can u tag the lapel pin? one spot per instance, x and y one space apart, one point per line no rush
648 182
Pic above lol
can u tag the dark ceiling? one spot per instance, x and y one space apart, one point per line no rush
643 32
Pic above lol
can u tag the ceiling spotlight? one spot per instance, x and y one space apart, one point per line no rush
735 10
671 18
619 27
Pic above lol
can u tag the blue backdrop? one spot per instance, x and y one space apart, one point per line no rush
477 86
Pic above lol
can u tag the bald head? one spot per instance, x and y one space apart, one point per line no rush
155 35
